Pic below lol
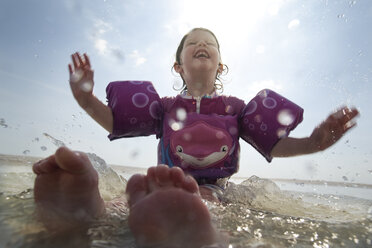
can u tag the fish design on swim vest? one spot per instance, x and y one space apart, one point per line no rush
201 145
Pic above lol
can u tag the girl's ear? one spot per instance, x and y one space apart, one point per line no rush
220 68
177 67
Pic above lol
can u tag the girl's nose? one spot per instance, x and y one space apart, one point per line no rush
202 43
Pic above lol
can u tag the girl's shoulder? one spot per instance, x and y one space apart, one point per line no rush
168 102
234 103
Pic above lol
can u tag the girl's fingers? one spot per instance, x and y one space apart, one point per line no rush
344 115
70 69
86 58
74 60
349 125
80 60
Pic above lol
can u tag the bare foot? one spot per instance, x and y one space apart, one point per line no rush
66 190
166 209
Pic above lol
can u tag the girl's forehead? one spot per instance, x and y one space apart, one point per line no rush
200 34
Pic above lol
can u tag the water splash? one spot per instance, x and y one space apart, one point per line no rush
55 141
3 123
25 152
111 185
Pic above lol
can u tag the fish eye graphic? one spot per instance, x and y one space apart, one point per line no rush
224 148
179 148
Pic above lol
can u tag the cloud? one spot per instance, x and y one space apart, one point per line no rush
138 59
294 24
101 46
101 27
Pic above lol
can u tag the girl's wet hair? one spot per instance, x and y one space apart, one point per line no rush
218 85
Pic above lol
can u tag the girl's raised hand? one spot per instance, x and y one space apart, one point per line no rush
81 78
333 128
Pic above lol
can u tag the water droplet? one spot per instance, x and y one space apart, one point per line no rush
233 130
76 76
285 117
352 3
86 86
2 123
176 126
134 154
281 133
187 136
220 135
345 178
229 109
43 148
181 114
258 118
25 152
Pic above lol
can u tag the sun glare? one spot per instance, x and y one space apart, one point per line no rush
225 17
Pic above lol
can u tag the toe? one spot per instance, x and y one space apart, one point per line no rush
44 166
181 180
152 181
163 176
190 184
136 188
73 162
177 175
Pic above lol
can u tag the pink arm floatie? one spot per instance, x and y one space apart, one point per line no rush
266 119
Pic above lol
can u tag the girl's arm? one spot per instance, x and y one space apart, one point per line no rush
323 136
81 83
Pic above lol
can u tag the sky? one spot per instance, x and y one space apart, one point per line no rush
315 53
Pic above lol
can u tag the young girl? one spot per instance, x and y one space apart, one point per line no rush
198 133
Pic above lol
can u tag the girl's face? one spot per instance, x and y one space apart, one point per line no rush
200 55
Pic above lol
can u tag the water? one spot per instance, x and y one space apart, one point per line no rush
255 213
